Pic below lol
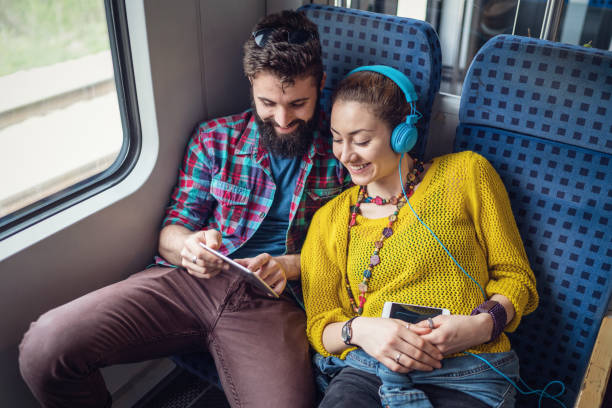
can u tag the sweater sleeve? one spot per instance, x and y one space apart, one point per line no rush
322 280
509 271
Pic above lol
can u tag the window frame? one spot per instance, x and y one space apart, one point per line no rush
123 69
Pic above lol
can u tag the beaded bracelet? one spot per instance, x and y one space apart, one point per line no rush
497 312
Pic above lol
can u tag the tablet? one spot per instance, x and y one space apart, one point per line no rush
246 273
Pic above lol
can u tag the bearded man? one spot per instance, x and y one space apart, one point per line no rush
248 187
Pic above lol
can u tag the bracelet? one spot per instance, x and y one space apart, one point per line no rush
497 312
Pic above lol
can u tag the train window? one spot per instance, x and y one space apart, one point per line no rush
68 125
465 25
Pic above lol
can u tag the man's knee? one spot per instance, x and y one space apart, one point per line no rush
47 347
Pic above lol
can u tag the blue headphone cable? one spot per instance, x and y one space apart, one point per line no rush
542 393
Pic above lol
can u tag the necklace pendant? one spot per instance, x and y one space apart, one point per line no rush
363 288
374 260
387 232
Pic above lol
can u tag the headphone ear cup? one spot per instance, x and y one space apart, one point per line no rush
403 138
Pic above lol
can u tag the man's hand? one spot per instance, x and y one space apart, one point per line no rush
268 269
196 260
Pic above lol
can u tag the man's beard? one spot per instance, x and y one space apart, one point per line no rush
293 144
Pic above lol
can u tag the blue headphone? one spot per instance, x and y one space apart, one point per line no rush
405 135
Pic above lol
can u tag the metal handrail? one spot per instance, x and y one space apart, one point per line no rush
551 20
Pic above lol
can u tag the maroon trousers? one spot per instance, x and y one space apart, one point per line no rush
258 344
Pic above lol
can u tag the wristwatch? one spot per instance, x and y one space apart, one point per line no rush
347 331
497 312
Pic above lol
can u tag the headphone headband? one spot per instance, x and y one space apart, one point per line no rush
393 74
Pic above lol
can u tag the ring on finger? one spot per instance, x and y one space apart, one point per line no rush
194 259
430 323
407 325
397 358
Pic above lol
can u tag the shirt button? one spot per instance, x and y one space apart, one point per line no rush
262 215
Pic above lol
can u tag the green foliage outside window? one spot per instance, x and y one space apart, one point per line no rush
35 33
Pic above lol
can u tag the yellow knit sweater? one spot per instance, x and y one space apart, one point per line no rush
462 199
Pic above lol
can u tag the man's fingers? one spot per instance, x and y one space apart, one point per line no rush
212 238
258 262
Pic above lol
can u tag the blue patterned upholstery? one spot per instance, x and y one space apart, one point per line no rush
541 113
351 38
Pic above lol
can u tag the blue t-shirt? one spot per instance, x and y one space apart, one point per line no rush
271 236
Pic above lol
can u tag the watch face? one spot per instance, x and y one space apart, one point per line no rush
345 335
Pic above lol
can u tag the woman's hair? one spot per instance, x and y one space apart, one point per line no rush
382 96
289 48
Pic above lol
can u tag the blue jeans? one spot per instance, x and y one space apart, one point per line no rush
466 374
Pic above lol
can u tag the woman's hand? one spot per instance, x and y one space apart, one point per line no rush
396 344
455 333
268 269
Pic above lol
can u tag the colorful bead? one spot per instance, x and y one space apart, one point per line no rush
399 202
374 260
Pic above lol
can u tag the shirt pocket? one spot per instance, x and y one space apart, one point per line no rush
232 202
323 194
229 194
316 197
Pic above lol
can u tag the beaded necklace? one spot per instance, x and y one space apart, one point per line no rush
363 197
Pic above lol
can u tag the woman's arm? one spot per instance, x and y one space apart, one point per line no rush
385 340
455 333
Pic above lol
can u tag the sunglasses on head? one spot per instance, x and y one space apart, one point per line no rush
293 37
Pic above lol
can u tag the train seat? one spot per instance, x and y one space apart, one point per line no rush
541 113
351 38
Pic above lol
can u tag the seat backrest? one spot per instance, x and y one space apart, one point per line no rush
541 113
351 38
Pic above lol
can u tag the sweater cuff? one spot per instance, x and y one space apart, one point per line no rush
518 295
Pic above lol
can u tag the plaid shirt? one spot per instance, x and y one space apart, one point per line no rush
226 183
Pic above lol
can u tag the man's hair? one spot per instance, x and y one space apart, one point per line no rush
384 98
280 57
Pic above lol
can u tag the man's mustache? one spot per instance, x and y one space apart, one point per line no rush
271 121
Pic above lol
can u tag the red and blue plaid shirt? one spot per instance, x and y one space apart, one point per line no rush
226 183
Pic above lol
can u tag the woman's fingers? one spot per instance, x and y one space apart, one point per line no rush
403 363
421 350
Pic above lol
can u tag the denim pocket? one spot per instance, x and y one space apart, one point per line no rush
326 369
394 396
